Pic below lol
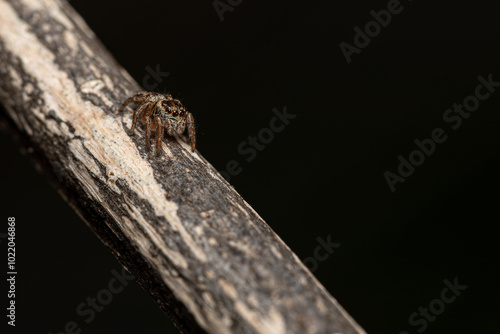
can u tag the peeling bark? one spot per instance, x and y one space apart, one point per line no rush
207 258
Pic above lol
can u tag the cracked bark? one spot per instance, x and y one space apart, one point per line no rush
207 258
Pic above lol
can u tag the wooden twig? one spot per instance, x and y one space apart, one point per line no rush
207 258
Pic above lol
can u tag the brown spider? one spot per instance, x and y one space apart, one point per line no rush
161 111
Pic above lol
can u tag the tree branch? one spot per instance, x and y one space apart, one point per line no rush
207 258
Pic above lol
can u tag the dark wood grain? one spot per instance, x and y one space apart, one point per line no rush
207 258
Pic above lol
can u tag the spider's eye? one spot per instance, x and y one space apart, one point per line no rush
175 113
164 104
182 113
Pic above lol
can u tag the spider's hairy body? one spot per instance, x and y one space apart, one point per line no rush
161 112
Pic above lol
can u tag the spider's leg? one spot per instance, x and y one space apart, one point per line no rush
159 133
139 97
139 111
127 101
147 119
191 130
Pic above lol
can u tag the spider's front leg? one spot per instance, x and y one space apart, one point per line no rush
137 99
147 121
191 130
159 133
145 107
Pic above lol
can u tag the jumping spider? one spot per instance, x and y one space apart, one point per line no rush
161 111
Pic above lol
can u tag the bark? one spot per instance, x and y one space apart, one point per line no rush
207 258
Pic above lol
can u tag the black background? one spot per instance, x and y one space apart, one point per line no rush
322 175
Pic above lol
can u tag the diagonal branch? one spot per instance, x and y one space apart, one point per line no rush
207 258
